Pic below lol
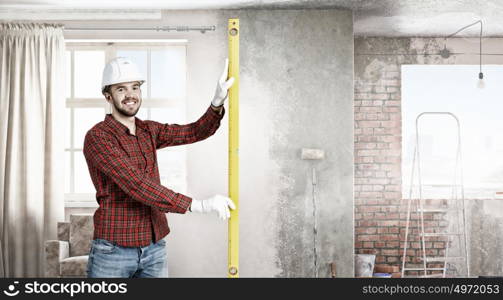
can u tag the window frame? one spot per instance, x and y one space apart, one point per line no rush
434 188
110 47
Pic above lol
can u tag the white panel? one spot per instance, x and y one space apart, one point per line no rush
83 182
88 73
68 129
168 72
85 119
68 171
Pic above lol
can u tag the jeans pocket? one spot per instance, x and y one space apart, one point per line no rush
103 246
161 242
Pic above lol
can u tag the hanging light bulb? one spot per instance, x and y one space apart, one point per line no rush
481 84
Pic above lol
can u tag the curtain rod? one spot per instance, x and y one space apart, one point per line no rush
202 29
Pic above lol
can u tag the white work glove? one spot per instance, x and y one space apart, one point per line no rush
222 87
219 204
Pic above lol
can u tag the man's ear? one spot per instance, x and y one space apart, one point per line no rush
107 96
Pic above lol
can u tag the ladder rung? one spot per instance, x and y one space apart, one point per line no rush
424 276
440 185
432 275
434 199
441 258
441 234
422 269
439 209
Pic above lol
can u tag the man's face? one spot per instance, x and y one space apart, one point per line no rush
125 97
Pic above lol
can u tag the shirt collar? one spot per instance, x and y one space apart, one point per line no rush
117 126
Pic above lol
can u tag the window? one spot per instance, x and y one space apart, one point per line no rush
164 65
453 88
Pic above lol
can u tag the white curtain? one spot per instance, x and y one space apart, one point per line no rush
31 148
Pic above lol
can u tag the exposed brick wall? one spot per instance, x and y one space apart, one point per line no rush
380 212
378 166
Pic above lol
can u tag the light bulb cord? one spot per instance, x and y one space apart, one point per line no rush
480 43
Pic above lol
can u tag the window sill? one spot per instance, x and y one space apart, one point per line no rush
80 201
81 204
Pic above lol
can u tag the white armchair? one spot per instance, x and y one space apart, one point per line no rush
67 257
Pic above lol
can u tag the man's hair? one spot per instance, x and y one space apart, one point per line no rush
106 89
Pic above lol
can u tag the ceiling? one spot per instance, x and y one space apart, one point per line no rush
371 17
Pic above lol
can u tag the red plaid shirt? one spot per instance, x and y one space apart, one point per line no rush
123 167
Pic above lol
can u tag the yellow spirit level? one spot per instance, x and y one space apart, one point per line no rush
233 34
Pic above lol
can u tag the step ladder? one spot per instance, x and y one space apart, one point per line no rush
456 205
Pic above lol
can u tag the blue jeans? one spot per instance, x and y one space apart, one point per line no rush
108 260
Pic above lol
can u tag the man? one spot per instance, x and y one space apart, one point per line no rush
130 223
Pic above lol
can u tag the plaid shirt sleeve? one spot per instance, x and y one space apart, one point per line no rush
174 134
104 153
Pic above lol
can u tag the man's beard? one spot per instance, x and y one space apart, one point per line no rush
125 112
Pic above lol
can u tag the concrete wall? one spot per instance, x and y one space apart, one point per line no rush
296 92
379 209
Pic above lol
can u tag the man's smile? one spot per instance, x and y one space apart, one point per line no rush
130 102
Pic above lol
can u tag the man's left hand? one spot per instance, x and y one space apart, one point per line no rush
223 86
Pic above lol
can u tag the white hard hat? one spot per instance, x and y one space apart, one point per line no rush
120 69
